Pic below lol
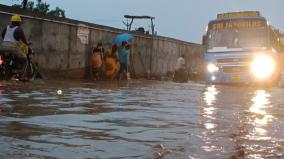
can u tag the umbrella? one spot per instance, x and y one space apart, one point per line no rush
122 37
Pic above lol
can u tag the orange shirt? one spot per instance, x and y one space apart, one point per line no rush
97 60
111 64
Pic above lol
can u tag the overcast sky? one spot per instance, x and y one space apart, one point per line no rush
180 19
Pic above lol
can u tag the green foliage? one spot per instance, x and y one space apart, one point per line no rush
58 12
42 7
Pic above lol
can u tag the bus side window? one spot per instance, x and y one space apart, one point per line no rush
275 41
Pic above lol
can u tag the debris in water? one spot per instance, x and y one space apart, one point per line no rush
59 92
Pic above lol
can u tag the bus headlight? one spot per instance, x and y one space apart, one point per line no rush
263 66
212 68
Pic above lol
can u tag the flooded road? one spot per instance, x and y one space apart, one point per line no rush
139 119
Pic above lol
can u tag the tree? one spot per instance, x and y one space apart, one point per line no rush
24 4
58 12
41 7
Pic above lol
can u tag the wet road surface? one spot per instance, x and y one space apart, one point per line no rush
139 119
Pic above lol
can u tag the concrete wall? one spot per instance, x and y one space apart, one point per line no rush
61 53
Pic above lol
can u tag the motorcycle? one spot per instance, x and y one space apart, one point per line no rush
9 66
181 76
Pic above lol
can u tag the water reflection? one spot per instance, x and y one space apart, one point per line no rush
1 88
208 110
260 100
3 100
210 95
260 116
259 120
208 119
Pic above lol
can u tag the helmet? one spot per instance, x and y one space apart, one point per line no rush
16 18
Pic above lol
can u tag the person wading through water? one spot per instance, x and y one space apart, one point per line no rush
111 62
123 61
97 61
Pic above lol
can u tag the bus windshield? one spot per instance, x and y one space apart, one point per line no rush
244 38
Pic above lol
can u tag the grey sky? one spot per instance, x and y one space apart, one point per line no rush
181 19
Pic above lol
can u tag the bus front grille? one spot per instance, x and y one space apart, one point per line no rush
235 69
234 60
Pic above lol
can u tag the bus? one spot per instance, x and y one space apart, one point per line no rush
241 47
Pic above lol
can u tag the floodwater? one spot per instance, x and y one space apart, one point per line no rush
139 119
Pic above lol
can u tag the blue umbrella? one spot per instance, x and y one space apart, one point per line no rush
122 37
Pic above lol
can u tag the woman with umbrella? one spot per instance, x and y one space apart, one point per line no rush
123 61
97 61
123 53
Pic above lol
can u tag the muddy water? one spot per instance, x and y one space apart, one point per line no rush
139 119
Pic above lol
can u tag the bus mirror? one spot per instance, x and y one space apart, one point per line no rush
204 40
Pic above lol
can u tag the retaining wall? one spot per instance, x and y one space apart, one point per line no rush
63 46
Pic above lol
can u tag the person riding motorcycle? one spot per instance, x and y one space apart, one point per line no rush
181 74
14 41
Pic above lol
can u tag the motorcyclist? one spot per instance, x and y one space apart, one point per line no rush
13 37
181 73
180 64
